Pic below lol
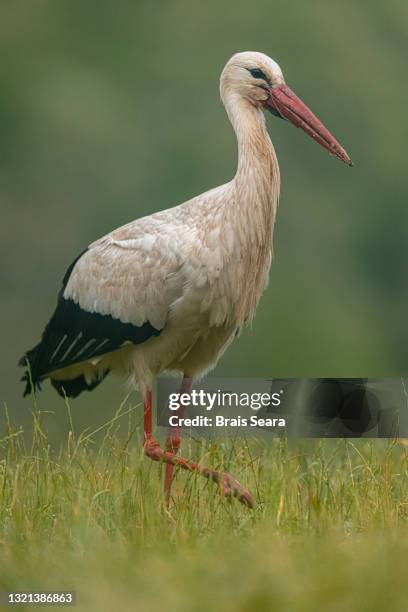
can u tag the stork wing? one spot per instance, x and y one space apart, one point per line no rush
115 292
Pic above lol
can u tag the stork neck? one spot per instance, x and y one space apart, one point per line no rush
250 213
255 150
257 180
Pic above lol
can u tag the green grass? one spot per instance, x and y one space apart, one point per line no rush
329 530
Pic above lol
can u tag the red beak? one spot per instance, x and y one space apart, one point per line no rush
284 101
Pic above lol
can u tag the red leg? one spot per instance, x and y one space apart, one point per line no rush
173 441
229 486
148 419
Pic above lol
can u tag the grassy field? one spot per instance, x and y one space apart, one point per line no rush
329 530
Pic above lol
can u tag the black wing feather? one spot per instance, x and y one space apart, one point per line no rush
72 388
74 335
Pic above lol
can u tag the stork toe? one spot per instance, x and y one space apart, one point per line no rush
230 487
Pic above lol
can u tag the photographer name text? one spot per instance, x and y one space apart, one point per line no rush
222 421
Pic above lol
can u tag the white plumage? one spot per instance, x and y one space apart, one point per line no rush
169 292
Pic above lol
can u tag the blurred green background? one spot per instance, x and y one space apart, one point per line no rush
110 111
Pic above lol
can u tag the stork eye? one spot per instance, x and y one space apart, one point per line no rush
257 73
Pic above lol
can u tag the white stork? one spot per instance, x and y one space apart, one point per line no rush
170 291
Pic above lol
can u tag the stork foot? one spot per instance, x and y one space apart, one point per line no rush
229 486
152 449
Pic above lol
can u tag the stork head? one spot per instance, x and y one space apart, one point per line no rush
258 79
